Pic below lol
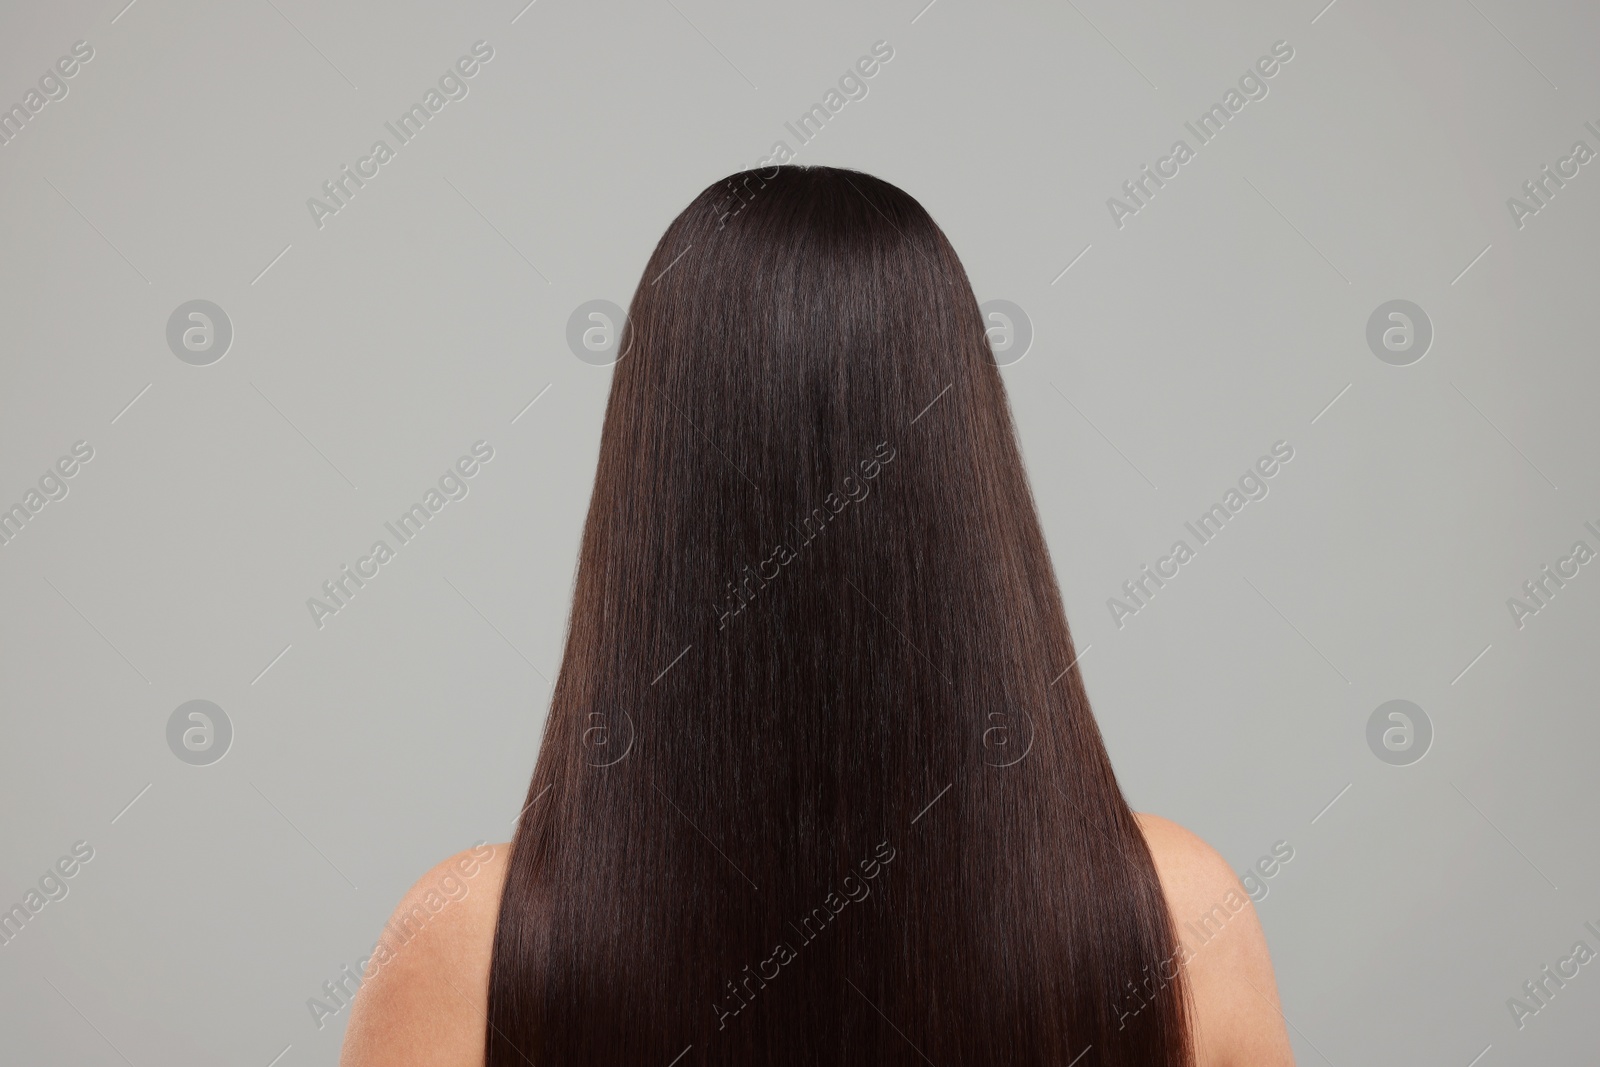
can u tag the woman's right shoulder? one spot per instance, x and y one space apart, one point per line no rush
425 992
1224 955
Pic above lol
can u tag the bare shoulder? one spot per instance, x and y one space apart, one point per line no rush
1224 952
425 990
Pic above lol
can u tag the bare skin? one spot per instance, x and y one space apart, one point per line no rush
426 1005
1237 1020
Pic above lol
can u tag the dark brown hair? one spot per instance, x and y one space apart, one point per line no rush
815 786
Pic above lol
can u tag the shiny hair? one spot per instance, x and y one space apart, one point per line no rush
819 783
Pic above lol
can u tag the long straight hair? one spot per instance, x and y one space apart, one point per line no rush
819 784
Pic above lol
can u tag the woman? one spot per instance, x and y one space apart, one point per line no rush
818 784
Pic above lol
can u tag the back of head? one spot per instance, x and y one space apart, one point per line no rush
813 786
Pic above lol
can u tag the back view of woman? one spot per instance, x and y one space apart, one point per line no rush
818 784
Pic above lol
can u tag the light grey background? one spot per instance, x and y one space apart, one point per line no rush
369 354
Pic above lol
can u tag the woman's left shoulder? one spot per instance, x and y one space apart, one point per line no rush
424 992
